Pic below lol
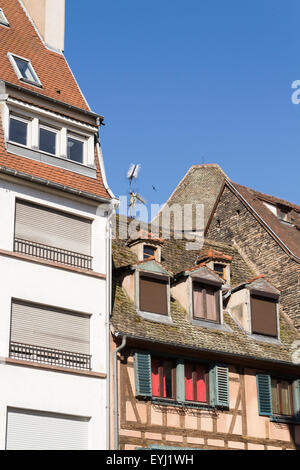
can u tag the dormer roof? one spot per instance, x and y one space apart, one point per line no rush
213 255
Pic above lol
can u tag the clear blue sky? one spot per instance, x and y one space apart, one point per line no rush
182 81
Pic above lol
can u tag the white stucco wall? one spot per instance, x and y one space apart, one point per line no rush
41 390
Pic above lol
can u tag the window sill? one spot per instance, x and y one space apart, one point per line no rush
156 317
211 325
49 159
30 82
181 404
264 339
284 420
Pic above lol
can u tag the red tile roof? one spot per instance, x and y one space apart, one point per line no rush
52 69
22 39
213 255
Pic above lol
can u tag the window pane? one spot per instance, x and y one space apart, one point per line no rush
75 150
148 251
211 305
25 69
47 141
275 398
3 20
285 397
200 386
18 131
168 385
198 301
155 377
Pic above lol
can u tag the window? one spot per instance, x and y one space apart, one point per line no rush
154 294
49 335
149 251
196 382
163 378
264 315
206 302
278 398
220 269
282 397
24 70
3 19
283 214
185 382
47 139
18 130
75 148
52 234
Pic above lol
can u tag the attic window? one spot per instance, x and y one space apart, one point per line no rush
283 214
264 316
3 19
206 302
220 269
149 251
154 294
24 70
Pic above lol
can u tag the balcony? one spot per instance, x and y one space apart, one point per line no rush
53 357
51 253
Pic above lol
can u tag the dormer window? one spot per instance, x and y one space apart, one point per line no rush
153 290
3 20
149 251
283 214
264 315
206 302
47 140
220 269
24 70
18 130
75 148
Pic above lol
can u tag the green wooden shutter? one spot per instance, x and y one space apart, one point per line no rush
219 386
264 393
296 396
222 386
142 371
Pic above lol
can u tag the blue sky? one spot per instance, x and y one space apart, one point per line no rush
182 83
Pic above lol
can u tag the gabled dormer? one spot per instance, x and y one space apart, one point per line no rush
145 245
199 291
255 306
217 262
148 284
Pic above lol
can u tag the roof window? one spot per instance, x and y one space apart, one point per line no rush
24 70
3 19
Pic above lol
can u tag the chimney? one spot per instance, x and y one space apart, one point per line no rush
49 18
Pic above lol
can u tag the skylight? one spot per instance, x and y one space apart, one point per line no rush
24 70
3 19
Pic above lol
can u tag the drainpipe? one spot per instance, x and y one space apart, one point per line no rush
116 401
112 211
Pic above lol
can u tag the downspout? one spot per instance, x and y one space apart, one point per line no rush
116 400
107 322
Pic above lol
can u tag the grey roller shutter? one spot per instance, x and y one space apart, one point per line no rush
51 227
30 430
50 328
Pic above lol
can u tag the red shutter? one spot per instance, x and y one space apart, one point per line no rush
200 386
188 382
155 377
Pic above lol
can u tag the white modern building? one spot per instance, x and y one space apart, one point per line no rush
55 209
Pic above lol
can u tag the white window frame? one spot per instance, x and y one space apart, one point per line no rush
17 117
54 131
62 127
36 81
80 138
3 21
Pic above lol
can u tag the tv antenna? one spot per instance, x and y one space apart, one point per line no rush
132 174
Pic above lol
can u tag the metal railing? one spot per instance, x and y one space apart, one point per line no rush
53 357
52 253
